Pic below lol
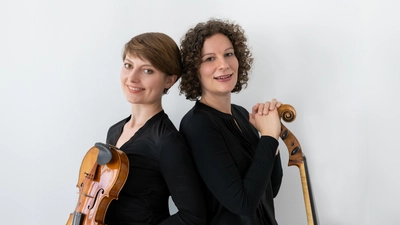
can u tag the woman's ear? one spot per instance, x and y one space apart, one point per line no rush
170 81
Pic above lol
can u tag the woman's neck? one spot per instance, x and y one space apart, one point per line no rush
140 114
221 103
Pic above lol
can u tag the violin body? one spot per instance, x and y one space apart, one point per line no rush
297 158
102 175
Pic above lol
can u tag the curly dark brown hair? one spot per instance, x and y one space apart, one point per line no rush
192 44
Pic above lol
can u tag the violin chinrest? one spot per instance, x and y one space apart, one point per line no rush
105 154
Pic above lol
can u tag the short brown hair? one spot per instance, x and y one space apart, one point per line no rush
159 49
192 44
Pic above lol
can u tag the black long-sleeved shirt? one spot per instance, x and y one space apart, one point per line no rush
160 166
239 168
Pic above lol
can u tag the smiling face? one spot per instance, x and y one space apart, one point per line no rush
219 66
142 83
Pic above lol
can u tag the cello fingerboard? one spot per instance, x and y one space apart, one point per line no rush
312 202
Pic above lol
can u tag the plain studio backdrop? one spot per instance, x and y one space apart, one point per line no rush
336 62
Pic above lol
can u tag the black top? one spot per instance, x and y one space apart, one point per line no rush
160 166
239 168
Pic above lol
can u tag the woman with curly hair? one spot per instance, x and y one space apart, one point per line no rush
236 152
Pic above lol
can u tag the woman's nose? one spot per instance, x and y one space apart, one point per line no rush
133 75
223 64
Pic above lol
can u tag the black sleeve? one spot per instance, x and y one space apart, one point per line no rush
183 181
218 169
276 176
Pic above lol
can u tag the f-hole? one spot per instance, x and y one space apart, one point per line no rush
98 193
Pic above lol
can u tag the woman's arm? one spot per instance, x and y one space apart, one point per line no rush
276 176
218 169
184 183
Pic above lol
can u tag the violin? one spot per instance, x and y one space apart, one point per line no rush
102 175
297 158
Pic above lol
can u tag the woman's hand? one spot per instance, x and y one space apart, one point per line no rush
265 118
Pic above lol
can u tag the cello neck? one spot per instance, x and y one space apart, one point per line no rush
296 158
312 206
311 210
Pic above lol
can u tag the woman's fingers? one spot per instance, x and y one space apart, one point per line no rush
254 110
264 108
260 109
274 104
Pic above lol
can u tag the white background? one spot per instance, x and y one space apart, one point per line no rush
336 62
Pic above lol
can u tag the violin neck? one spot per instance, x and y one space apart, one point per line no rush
311 209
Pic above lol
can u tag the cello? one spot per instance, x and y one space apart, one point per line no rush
102 175
297 158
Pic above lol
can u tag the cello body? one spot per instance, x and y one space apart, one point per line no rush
102 175
297 158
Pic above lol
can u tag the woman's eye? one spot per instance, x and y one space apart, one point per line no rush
148 71
127 65
209 59
229 54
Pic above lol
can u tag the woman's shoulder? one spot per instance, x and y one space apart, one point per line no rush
239 112
120 123
238 108
197 116
115 129
164 130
